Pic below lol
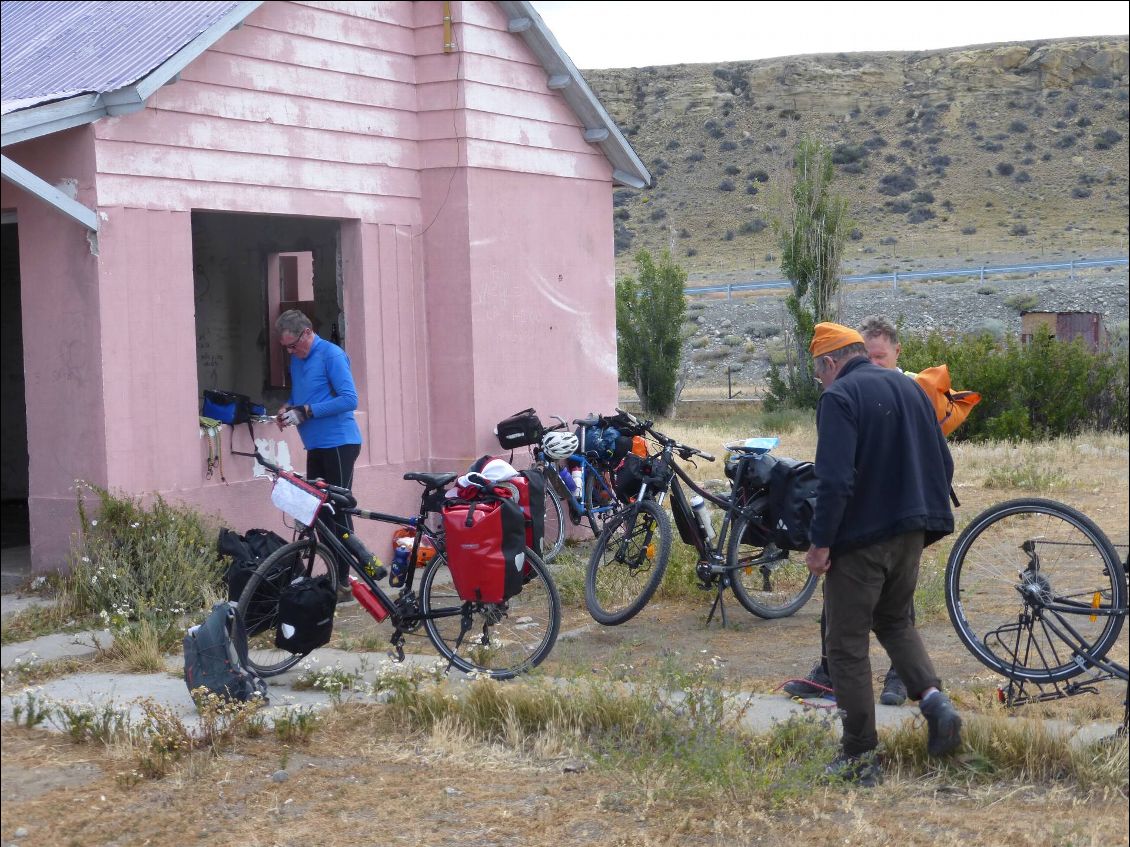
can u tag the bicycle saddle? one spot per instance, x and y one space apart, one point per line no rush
591 420
431 480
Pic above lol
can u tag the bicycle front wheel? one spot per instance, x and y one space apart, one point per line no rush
258 605
628 562
499 639
554 538
769 590
1029 584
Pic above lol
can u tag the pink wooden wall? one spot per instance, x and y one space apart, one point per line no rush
477 248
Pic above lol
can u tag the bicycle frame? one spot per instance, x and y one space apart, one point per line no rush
713 567
578 500
403 611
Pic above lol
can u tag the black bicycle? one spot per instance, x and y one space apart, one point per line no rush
501 639
735 546
1037 593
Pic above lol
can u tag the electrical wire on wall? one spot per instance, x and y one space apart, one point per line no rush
450 45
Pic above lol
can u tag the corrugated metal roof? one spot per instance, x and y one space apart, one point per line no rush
57 48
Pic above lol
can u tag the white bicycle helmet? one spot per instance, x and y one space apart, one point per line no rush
559 445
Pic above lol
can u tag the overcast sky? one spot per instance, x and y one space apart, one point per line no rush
666 32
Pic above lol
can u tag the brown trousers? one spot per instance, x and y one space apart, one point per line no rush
865 590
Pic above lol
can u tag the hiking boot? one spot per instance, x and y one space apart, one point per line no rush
894 690
943 723
816 684
863 771
344 595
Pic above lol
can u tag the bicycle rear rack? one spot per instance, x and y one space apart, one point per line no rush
1020 692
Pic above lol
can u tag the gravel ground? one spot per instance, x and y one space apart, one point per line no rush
739 334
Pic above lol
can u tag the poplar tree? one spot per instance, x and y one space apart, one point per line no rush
811 229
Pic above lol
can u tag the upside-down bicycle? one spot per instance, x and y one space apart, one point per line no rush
1037 593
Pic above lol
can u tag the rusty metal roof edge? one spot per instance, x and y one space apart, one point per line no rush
54 116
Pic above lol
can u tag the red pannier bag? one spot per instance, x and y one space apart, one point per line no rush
486 548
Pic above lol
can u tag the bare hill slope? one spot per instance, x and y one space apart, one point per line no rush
1007 150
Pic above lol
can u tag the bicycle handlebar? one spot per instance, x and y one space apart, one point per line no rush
685 451
317 483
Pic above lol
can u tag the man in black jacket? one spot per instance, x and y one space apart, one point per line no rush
884 473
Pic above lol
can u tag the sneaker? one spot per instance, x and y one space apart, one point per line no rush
894 690
344 595
943 723
816 684
863 771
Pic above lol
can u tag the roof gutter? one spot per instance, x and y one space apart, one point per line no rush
600 129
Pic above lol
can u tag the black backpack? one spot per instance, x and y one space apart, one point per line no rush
215 656
792 499
306 614
247 552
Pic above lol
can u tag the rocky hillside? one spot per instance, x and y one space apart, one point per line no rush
1009 150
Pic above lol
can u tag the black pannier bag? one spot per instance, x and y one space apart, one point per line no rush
306 614
519 430
630 475
755 470
792 499
247 552
534 510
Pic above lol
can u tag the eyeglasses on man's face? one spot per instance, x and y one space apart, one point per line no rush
290 348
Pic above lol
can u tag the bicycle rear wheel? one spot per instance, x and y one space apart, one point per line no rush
259 603
554 538
770 590
1029 584
600 502
627 563
499 639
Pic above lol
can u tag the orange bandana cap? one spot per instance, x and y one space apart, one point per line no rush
829 336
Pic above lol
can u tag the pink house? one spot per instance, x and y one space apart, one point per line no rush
431 181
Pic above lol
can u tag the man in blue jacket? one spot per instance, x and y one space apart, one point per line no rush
884 472
321 404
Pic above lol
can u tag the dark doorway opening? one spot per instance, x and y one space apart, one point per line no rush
247 269
14 529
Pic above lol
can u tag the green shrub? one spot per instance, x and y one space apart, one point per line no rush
140 567
1022 302
1039 390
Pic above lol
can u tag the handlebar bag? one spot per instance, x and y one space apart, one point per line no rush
306 614
792 499
486 541
519 430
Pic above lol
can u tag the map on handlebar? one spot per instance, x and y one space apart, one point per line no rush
297 498
754 446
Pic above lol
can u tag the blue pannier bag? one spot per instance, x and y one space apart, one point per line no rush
601 445
215 657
